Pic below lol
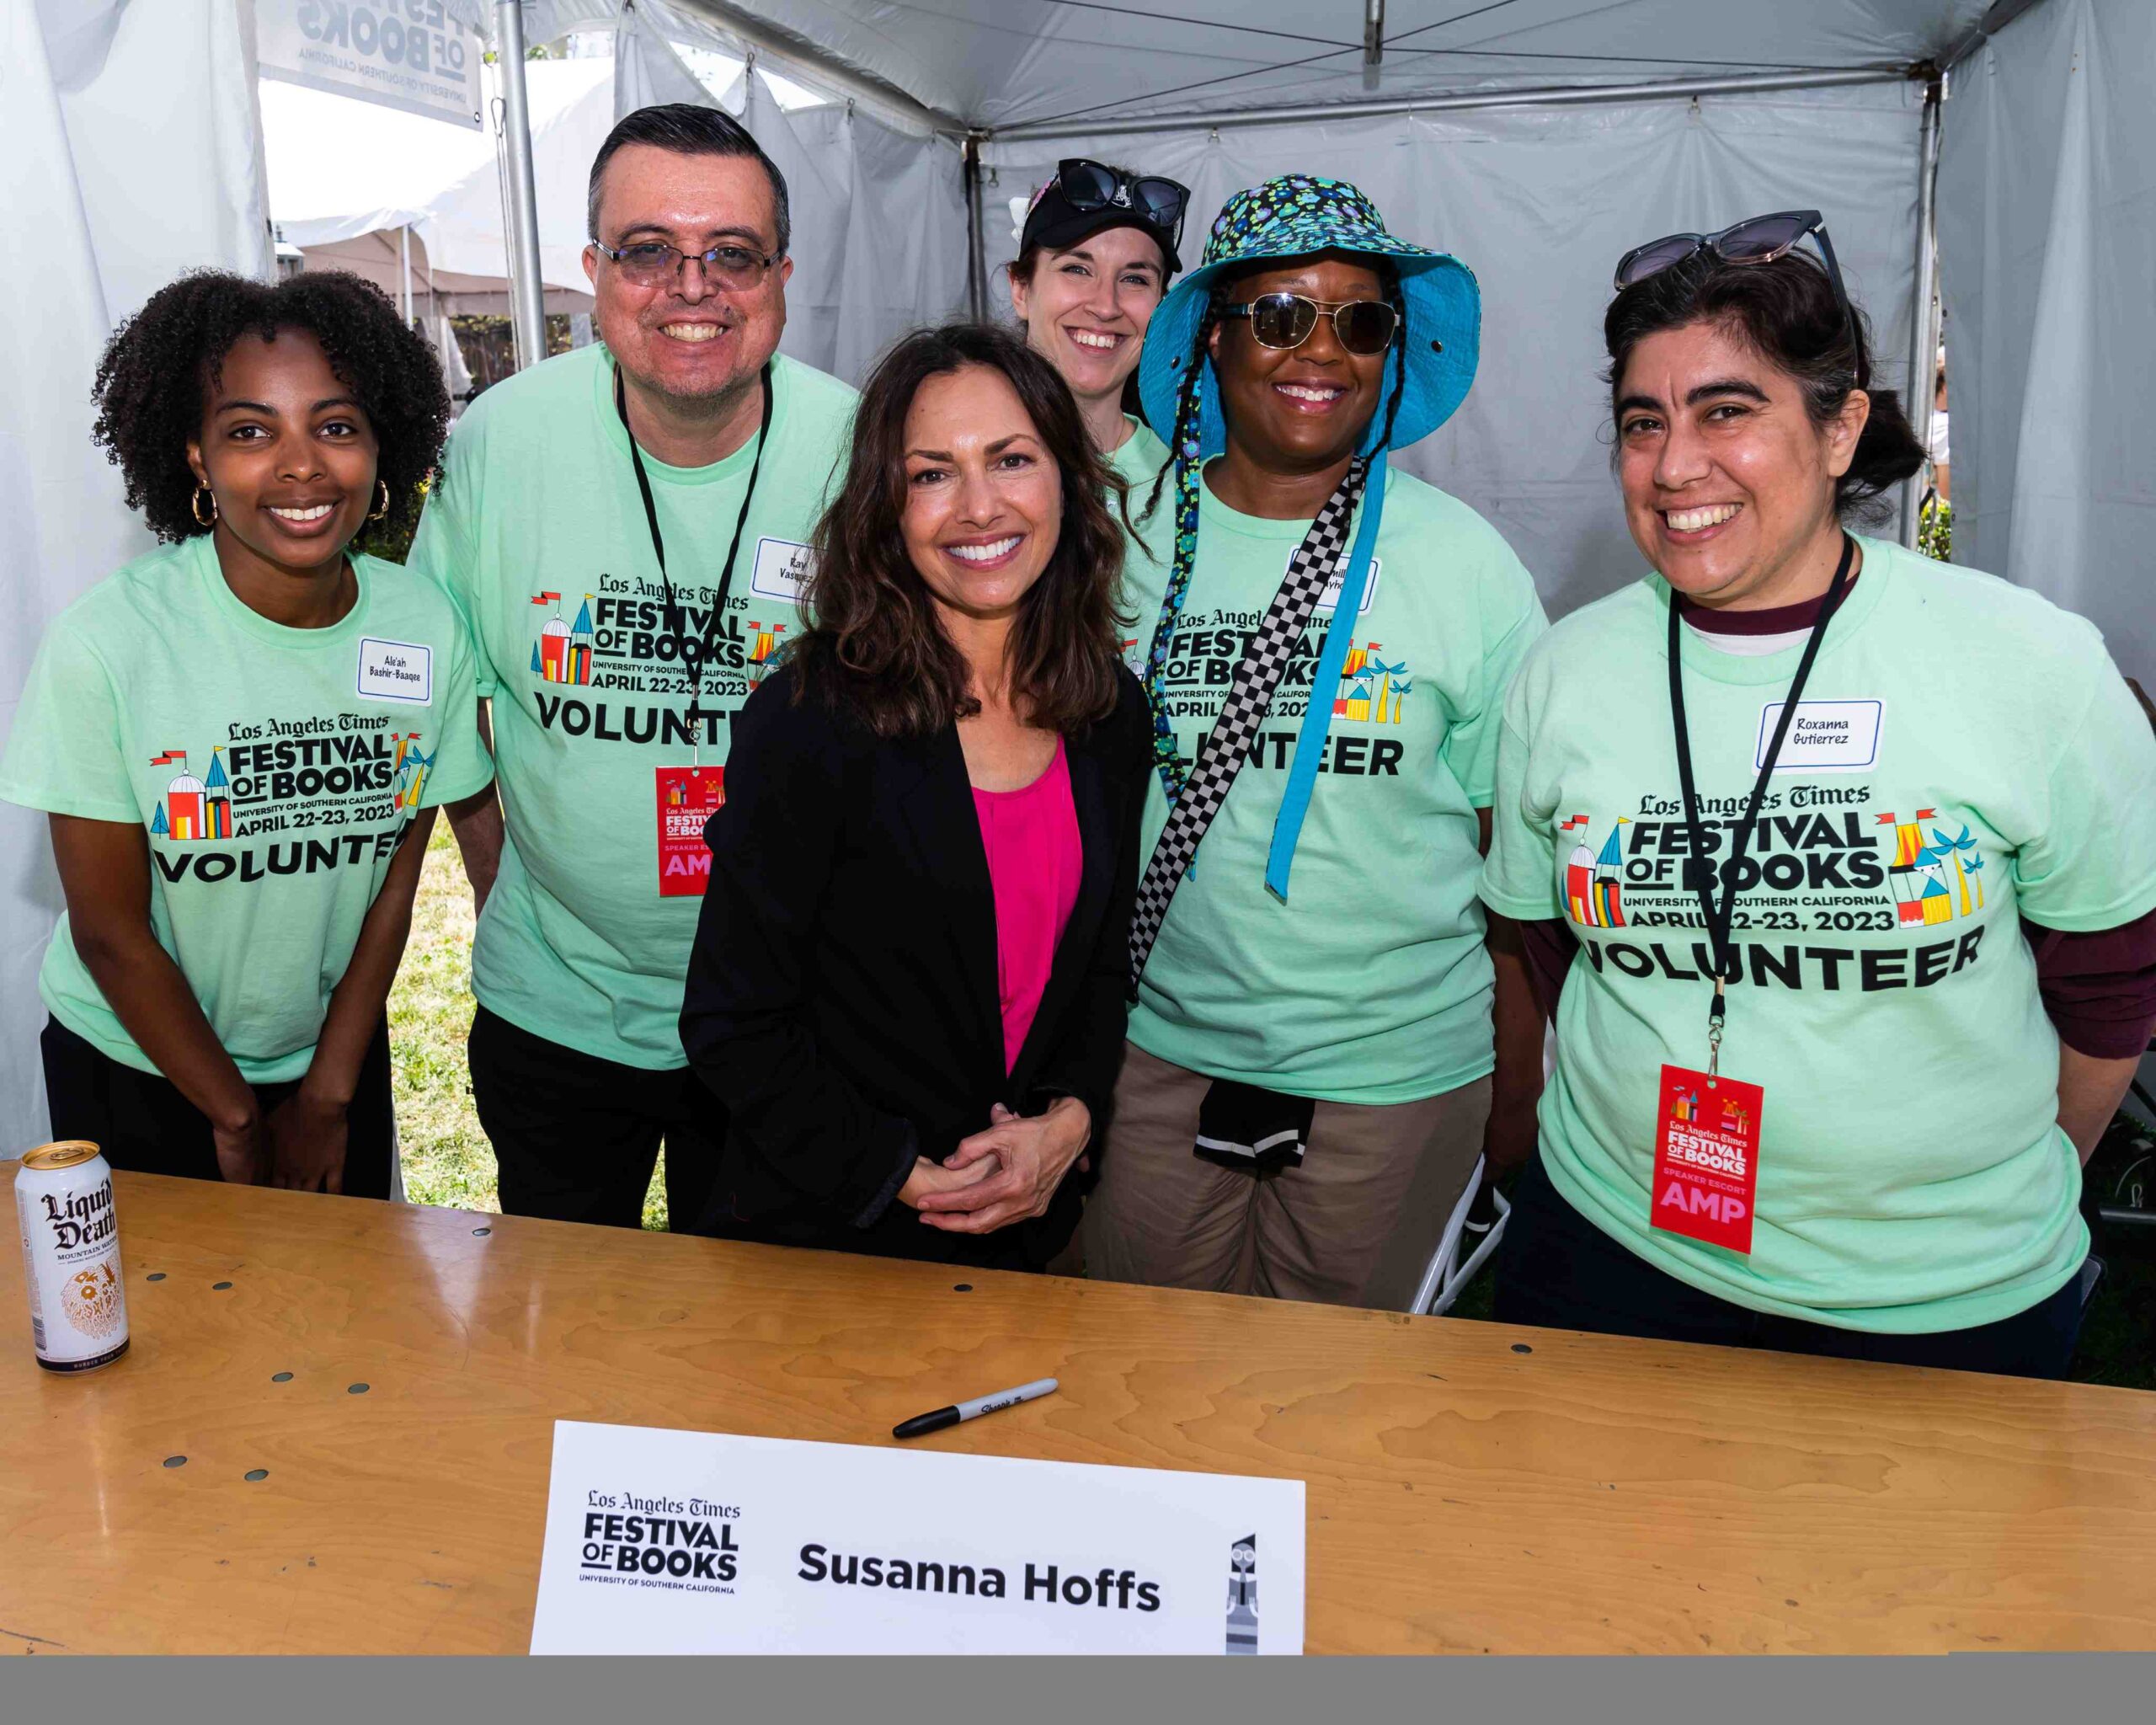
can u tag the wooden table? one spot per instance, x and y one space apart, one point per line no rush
1472 1487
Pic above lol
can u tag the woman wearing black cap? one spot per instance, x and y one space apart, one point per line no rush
1096 250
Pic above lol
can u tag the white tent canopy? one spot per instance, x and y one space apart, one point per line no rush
347 178
998 64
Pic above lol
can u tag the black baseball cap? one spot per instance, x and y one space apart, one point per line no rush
1086 198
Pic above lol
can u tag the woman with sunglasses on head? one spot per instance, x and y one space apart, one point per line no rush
1097 249
241 738
1842 862
1309 1078
907 981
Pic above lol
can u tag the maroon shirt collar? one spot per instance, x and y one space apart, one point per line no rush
1779 619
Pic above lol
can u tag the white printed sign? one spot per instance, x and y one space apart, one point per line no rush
395 671
700 1542
781 568
416 55
1826 736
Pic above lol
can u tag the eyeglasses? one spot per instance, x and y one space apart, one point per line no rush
1094 185
1758 239
655 263
1285 320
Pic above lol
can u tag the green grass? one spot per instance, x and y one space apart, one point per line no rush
447 1159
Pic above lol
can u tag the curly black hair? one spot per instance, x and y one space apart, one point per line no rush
151 380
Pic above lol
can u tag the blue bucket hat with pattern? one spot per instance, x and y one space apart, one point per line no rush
1293 217
1427 370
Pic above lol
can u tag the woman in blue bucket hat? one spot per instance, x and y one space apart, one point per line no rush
1309 1079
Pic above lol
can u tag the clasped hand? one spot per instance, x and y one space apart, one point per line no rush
1006 1174
300 1143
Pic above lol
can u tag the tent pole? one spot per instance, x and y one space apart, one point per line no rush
1924 339
976 246
527 305
405 266
1545 96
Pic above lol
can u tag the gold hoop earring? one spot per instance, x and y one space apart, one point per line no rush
195 505
383 509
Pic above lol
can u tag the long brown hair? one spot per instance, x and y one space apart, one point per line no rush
874 643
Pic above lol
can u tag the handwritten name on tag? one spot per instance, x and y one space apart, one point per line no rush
1330 599
395 671
1826 736
782 570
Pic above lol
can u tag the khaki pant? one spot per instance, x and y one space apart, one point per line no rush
1353 1224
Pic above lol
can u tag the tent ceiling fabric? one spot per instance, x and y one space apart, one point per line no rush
1010 62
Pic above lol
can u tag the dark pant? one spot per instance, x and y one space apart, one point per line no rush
576 1137
142 1122
1556 1269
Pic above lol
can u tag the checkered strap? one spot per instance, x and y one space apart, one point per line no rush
1250 695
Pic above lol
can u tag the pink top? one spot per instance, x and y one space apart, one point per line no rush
1035 858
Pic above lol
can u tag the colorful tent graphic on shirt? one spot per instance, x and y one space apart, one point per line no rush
763 647
1917 876
193 808
1369 688
409 771
563 652
1963 872
1593 894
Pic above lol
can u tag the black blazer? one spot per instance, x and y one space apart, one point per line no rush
842 994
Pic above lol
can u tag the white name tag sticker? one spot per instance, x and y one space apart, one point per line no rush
781 569
698 1542
1330 599
1825 736
395 671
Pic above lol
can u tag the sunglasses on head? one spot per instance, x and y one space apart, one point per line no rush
1094 185
1286 320
1758 239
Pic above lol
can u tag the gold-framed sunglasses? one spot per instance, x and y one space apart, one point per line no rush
1288 320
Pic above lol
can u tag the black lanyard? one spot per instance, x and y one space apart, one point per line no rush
1718 921
695 656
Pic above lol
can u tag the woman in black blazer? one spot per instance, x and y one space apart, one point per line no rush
939 789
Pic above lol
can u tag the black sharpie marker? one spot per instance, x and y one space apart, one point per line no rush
921 1424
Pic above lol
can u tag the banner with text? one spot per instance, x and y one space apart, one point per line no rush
409 54
699 1542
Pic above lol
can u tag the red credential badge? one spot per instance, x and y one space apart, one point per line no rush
1706 1157
688 797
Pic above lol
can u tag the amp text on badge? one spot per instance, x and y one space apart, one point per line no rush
1825 736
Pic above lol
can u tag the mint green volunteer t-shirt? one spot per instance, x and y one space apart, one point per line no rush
1965 754
1137 460
538 534
273 771
1370 984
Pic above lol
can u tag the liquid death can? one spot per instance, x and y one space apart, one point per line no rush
70 1257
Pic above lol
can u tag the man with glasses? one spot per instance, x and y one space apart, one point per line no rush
625 528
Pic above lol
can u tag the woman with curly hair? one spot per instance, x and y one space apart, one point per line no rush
241 738
907 985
